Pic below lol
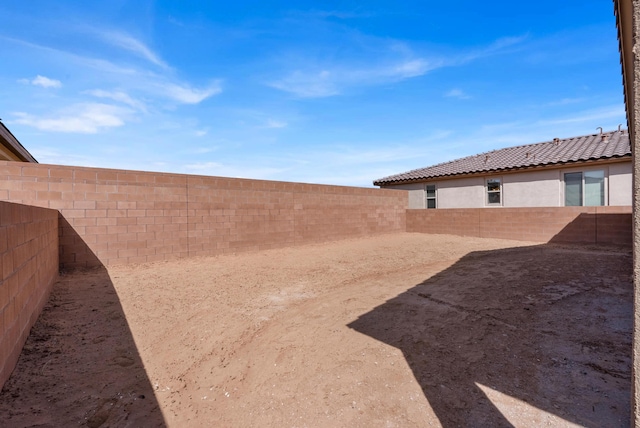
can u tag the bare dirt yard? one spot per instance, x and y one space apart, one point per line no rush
406 330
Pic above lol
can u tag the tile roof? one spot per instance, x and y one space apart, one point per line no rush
559 151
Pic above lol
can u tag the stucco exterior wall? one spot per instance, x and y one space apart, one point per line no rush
532 189
460 193
541 188
416 194
621 184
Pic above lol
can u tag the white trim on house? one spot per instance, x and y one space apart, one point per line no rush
493 191
431 195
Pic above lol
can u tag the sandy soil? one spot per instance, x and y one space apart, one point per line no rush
404 330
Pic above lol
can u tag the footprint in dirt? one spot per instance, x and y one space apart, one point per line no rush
101 414
123 361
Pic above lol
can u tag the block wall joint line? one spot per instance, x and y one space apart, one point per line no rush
295 221
188 231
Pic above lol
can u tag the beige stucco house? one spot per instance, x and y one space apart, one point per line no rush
11 149
591 170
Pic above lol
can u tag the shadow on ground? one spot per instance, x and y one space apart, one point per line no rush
80 364
502 332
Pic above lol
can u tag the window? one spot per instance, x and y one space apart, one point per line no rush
594 188
431 196
584 188
494 189
573 189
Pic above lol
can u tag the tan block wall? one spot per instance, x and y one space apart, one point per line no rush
553 224
28 269
117 216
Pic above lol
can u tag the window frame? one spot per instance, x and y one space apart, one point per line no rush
427 198
488 192
583 172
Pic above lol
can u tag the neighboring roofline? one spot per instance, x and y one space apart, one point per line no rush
623 10
435 171
14 145
557 165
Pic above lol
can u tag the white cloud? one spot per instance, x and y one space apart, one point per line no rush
201 132
127 42
81 118
188 95
497 47
590 116
345 155
323 14
100 65
203 150
413 68
275 124
330 79
53 155
119 96
328 82
457 93
157 85
507 134
565 101
175 21
43 81
309 85
199 166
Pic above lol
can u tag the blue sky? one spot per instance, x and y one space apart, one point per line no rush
323 92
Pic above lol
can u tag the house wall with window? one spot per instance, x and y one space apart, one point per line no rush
589 184
416 194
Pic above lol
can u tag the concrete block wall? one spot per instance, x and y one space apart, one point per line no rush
28 269
602 225
117 216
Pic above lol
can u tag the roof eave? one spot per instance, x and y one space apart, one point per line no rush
14 145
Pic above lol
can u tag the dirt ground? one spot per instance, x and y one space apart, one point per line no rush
406 330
